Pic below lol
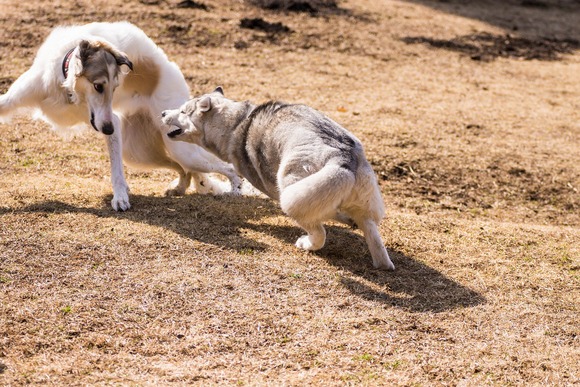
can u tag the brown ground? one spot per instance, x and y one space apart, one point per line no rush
470 115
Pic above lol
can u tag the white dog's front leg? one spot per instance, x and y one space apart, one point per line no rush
120 200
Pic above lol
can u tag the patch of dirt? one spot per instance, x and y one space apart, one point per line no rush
498 184
260 24
312 7
192 4
5 83
487 47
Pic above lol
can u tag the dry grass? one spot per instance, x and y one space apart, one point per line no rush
479 165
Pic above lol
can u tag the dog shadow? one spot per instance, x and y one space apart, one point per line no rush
219 220
413 286
216 220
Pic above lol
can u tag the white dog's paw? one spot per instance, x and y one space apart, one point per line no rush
174 192
176 188
120 201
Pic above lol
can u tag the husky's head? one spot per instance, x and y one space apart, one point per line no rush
93 75
188 122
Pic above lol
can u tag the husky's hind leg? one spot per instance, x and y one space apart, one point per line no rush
345 219
315 238
378 251
314 199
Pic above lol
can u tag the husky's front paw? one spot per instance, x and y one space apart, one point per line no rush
120 201
236 190
236 186
233 192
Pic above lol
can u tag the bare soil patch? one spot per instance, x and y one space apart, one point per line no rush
262 25
470 116
486 46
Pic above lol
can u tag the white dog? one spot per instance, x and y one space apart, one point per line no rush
316 168
113 77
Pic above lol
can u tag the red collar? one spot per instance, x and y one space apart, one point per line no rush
66 61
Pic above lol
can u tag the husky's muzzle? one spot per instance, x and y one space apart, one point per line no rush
176 130
175 133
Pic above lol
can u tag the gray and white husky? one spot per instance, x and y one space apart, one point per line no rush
294 154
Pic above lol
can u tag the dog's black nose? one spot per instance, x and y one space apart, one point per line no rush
108 128
163 113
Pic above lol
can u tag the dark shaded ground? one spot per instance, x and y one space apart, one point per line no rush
487 47
262 25
527 18
313 7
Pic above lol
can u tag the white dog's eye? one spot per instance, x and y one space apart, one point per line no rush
99 87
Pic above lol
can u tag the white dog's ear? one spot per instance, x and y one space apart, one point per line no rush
88 50
219 89
122 59
85 51
74 68
204 104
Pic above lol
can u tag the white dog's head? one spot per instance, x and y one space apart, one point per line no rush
188 122
91 78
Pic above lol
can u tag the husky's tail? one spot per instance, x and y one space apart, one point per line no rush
317 197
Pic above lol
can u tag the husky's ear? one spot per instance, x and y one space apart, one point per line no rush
204 104
219 90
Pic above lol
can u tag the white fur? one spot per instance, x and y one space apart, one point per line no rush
132 109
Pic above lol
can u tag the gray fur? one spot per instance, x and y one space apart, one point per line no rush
294 154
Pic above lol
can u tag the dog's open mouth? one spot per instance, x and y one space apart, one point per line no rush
175 132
